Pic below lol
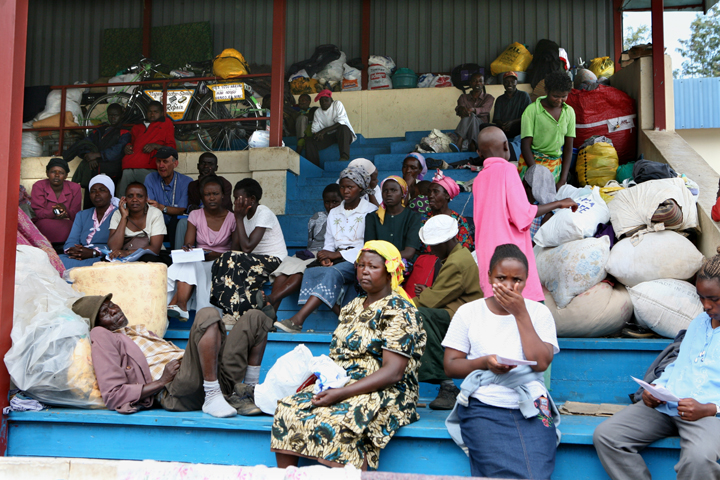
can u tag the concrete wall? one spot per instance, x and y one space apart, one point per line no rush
269 166
706 142
391 113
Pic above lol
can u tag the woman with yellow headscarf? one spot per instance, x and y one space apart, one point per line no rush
393 222
379 343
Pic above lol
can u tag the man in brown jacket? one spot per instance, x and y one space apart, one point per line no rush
134 367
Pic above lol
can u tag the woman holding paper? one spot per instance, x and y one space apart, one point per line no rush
209 228
378 343
502 345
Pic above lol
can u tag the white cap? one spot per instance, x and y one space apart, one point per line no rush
438 229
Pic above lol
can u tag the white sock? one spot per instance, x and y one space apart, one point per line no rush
215 403
252 375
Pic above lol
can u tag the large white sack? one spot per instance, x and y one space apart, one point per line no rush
54 98
634 207
603 310
565 225
333 71
572 268
379 78
289 372
31 146
657 255
665 306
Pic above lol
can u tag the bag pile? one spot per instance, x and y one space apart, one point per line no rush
380 70
515 58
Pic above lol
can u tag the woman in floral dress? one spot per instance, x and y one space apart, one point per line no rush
378 342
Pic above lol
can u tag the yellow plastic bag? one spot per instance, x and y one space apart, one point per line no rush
608 193
602 67
515 58
302 85
597 164
230 64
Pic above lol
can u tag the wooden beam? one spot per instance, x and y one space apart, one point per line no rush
277 82
147 27
618 31
13 36
365 41
658 56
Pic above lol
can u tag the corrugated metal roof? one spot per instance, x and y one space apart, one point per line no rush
425 35
684 5
696 102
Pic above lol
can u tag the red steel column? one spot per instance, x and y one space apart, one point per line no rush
658 56
13 33
147 27
365 41
277 82
618 32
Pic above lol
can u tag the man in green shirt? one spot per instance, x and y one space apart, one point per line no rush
457 283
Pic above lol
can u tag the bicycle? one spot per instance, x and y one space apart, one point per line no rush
201 101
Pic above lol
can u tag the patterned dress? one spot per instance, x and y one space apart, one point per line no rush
421 205
355 430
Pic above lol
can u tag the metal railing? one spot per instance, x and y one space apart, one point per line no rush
165 84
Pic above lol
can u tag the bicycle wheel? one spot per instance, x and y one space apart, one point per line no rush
97 112
223 136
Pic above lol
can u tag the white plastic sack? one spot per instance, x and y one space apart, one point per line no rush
565 225
379 78
573 268
289 372
665 306
128 77
657 255
333 71
381 61
602 310
352 79
260 139
31 146
441 81
50 353
425 80
634 207
329 374
54 98
299 74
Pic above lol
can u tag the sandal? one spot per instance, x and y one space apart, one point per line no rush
264 306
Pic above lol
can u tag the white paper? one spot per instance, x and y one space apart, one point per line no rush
661 393
194 255
512 361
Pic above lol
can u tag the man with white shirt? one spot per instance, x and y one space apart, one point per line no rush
330 125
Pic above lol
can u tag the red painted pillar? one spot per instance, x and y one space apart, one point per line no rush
658 56
618 32
147 27
277 84
13 33
365 41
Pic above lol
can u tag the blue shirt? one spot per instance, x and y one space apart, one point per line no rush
173 195
696 371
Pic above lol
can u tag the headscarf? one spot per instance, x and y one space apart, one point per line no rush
359 176
58 162
109 184
365 164
324 93
403 187
541 182
393 263
423 164
447 183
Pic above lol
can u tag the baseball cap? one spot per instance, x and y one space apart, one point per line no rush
165 152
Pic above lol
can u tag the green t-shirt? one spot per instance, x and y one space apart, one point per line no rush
548 135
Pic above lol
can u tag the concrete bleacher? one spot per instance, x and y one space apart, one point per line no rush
586 370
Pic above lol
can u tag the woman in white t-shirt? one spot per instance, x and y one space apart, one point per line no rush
500 440
258 248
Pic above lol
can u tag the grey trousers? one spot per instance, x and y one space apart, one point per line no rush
619 439
129 176
468 128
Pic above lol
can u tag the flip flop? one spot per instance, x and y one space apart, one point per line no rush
264 306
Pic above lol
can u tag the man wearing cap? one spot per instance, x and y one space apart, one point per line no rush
134 367
168 190
510 106
457 283
155 132
330 126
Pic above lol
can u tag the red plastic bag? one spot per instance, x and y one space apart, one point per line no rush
606 111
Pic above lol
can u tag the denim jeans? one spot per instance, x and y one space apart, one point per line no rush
326 283
504 444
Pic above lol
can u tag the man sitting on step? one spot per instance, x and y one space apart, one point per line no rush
134 367
457 283
330 126
694 379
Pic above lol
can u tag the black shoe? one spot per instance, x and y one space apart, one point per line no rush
243 400
446 398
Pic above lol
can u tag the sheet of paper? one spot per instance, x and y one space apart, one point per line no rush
512 361
661 393
194 255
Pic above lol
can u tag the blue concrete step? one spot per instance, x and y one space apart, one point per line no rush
416 136
420 448
393 161
404 147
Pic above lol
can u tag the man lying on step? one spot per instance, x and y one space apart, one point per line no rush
134 367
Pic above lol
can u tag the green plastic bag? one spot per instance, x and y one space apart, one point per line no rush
625 172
